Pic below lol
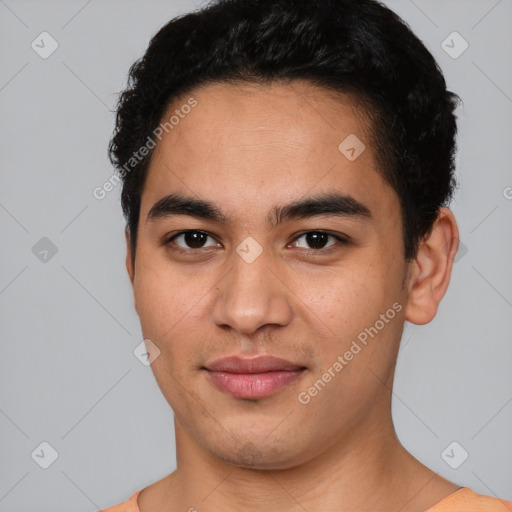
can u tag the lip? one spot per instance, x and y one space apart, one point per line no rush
259 364
259 377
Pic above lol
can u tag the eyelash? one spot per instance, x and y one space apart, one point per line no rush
341 241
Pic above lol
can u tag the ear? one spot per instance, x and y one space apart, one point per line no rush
129 260
430 272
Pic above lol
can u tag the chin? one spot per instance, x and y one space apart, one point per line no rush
260 455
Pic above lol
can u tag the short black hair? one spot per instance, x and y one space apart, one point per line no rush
359 47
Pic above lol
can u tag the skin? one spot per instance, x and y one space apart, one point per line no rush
248 148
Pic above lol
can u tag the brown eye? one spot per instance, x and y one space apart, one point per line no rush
317 240
191 240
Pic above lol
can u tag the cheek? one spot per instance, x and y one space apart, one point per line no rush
351 313
166 308
173 306
342 299
164 297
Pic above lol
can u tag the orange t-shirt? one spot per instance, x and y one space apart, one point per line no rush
462 500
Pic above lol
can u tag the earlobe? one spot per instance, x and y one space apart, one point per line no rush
431 270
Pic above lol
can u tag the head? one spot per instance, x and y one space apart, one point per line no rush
308 150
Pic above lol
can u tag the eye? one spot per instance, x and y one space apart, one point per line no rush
192 240
318 240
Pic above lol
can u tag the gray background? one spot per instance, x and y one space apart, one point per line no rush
68 328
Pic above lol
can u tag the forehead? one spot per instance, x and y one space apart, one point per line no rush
253 144
295 117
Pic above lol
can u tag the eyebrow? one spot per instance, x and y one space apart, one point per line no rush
333 204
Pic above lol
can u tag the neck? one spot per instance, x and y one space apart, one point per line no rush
366 470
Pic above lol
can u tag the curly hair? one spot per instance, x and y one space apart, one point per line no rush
349 46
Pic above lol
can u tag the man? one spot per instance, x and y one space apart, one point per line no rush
286 171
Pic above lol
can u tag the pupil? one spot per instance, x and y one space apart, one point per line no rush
313 238
192 239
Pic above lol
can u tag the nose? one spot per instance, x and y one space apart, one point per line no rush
252 295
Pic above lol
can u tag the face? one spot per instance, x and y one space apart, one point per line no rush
318 285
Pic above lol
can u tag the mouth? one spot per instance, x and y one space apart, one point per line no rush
252 378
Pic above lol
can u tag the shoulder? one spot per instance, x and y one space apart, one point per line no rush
466 500
130 505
